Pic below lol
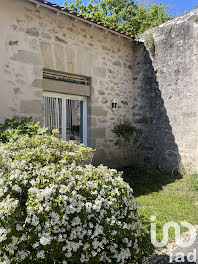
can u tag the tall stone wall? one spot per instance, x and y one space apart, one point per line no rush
33 38
166 94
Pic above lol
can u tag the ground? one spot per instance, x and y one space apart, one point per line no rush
168 197
165 259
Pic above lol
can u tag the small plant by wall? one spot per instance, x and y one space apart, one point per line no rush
150 44
127 135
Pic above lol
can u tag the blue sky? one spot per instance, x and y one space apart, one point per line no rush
180 5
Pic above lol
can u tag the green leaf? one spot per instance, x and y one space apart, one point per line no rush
125 15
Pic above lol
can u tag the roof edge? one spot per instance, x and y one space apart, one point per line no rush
76 16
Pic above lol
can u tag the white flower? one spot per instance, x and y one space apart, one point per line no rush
35 220
45 240
88 206
40 254
1 192
3 234
22 254
86 246
19 228
35 245
16 188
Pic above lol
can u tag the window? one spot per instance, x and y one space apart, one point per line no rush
68 114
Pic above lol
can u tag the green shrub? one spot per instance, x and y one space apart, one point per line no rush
56 209
150 44
15 128
127 135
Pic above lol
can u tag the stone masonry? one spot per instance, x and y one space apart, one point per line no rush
166 94
34 38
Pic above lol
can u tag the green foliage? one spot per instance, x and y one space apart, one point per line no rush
15 128
147 177
124 15
144 172
154 16
56 209
127 135
150 44
194 182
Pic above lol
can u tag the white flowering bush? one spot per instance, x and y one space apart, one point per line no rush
56 209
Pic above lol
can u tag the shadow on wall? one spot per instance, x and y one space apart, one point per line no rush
149 114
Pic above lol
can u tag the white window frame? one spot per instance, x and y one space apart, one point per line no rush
71 97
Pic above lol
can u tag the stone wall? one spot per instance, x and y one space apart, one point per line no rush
166 94
33 38
158 94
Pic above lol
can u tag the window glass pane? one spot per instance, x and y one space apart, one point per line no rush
52 113
65 115
74 122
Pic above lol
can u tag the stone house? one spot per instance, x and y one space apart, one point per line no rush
69 72
51 58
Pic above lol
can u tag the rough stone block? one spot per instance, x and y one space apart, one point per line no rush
100 92
100 72
70 59
60 39
31 107
104 100
117 63
32 32
89 60
27 57
47 55
92 142
93 121
98 111
99 157
98 132
39 93
79 61
59 57
46 35
13 43
124 102
38 83
34 44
